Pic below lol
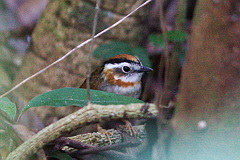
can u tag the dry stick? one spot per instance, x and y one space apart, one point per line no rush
88 74
116 136
74 49
89 114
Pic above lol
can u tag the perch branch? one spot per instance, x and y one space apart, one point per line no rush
88 140
91 143
88 114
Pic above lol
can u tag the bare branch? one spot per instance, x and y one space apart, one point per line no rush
99 139
88 114
88 74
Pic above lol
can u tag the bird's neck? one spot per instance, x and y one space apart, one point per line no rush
112 79
118 86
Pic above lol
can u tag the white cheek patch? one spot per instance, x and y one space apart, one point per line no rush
131 77
134 77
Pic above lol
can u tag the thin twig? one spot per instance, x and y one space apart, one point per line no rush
88 74
74 49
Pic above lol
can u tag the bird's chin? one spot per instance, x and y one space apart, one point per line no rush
134 77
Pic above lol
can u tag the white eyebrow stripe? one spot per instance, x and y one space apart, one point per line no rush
133 66
117 65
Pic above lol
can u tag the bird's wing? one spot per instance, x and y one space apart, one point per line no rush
95 79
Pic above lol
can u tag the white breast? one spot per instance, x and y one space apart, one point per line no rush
131 91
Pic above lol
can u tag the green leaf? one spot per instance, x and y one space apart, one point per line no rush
172 36
5 53
78 97
111 49
156 40
8 107
5 79
176 36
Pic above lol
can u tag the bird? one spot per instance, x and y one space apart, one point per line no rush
120 74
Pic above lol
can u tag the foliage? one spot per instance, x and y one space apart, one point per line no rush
8 137
8 67
77 97
5 79
8 107
111 49
55 98
172 36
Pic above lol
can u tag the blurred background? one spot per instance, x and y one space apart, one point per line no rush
193 46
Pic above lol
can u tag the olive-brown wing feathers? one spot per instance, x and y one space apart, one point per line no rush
95 79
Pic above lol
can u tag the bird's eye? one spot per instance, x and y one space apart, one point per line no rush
126 69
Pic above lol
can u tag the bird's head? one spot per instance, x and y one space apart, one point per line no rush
124 70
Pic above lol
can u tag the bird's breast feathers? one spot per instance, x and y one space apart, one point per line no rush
132 91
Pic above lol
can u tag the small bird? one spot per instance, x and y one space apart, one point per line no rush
120 74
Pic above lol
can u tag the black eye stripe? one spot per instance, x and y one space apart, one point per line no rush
120 60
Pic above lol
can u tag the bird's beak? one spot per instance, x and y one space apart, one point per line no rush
144 69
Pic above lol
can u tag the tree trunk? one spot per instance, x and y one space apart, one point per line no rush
207 119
